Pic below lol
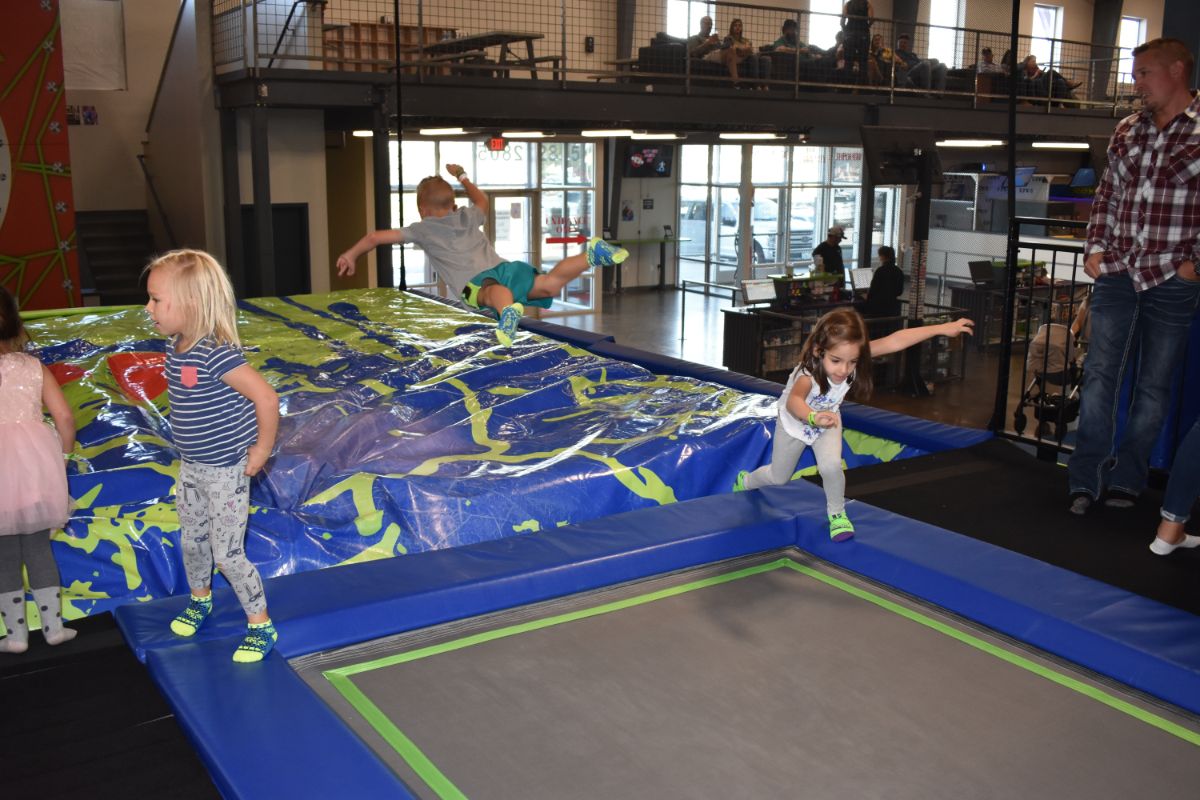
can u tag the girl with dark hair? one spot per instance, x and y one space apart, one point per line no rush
835 360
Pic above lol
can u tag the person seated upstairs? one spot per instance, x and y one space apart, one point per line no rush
739 57
887 284
1037 82
924 73
705 41
987 64
884 60
790 42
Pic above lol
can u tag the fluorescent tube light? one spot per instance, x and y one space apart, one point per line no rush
1062 145
614 132
752 136
662 137
442 131
971 143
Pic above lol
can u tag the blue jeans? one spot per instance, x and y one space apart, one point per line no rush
1183 487
1155 325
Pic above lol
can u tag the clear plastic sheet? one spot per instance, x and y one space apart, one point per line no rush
405 427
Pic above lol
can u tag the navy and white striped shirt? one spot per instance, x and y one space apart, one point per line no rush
211 422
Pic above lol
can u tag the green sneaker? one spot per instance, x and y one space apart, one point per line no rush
470 295
188 622
840 527
260 638
740 484
509 319
602 254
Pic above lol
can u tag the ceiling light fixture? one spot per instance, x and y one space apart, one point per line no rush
442 131
662 137
971 143
1062 145
363 134
527 135
614 132
735 136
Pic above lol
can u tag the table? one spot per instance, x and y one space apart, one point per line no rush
462 48
662 256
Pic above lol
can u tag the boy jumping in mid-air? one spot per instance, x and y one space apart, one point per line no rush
467 261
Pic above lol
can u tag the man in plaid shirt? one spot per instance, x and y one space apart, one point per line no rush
1143 242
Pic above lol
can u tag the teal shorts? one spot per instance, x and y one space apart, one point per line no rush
516 275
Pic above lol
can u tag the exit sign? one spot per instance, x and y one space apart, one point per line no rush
496 144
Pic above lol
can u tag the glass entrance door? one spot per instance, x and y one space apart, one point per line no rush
513 223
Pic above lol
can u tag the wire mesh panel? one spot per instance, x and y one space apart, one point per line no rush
699 44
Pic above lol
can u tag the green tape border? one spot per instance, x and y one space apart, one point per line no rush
341 678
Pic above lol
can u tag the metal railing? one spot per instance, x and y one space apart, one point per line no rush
1044 316
558 42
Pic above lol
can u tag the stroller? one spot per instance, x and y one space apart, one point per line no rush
1054 362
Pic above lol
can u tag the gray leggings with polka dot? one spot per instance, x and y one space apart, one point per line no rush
32 550
213 504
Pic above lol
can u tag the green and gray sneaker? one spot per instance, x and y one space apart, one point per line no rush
840 527
193 616
509 319
470 295
260 638
740 484
602 254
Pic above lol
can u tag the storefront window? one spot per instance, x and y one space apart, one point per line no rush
525 221
509 167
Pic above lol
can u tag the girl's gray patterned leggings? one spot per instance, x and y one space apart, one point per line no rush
214 504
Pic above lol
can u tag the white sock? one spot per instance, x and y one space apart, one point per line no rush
1161 548
12 607
49 604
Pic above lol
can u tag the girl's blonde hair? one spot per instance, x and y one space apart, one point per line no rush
838 327
201 286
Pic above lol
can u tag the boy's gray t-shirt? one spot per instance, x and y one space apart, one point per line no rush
455 246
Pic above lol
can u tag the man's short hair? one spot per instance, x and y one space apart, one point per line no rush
1169 51
904 37
790 24
987 51
886 251
435 192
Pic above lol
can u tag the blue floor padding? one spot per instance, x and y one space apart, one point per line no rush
1149 646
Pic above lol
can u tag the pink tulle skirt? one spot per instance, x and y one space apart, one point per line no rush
33 479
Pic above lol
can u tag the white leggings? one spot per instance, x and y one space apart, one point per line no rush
785 455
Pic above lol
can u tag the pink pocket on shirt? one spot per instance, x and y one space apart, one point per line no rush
188 376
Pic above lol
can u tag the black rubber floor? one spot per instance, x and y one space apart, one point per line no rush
84 720
997 492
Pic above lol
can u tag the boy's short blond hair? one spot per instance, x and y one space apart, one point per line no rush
435 192
202 287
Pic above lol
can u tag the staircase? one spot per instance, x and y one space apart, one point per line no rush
114 247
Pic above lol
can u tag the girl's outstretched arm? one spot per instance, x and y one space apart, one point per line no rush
60 411
903 339
246 381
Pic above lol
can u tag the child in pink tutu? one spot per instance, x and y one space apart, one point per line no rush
33 484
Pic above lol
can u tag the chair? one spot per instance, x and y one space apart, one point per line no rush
984 277
981 274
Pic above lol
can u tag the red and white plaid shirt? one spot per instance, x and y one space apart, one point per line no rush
1146 212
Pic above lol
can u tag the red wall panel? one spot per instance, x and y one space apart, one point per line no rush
38 256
